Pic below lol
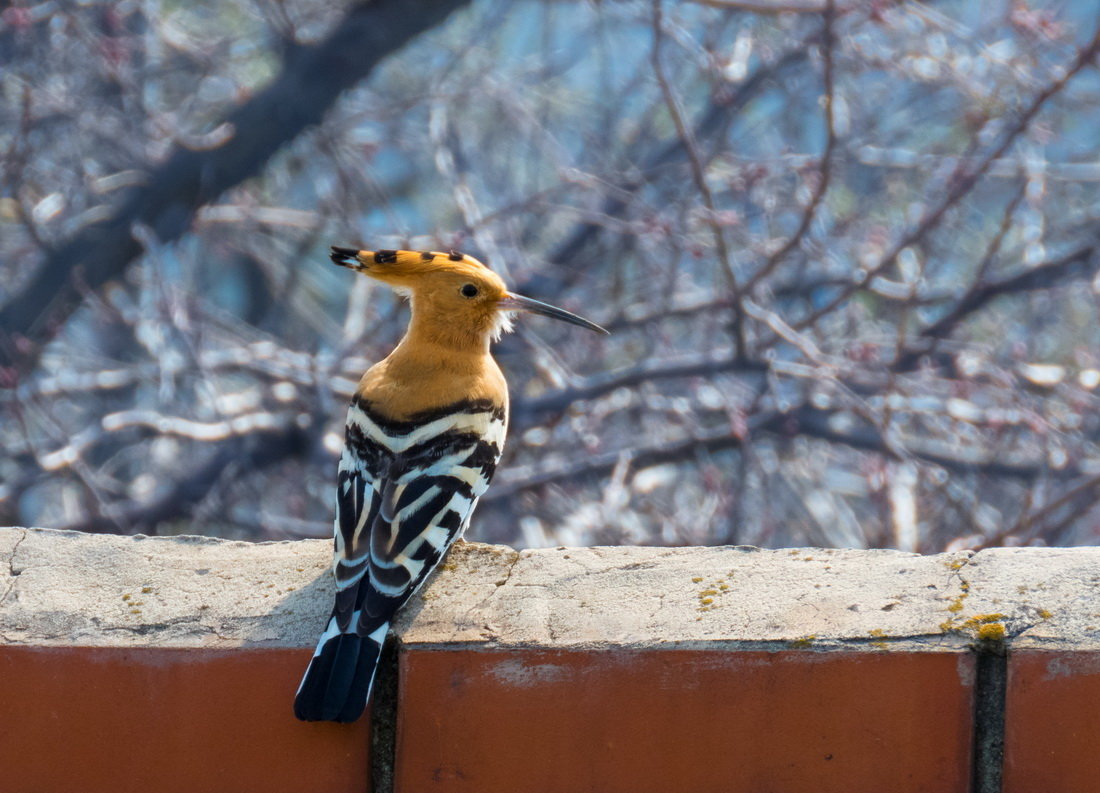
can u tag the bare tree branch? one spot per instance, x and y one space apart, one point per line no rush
1082 263
180 499
825 170
805 420
527 411
963 180
656 158
770 6
313 77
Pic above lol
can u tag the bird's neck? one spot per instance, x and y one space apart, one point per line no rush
429 331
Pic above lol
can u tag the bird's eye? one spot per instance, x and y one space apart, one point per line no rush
468 290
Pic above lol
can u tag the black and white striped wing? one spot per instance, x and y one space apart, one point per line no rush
405 493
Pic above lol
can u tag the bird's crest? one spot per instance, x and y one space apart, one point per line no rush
408 261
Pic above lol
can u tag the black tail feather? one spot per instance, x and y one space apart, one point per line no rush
361 682
342 669
338 682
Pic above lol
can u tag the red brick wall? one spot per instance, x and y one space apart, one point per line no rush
187 720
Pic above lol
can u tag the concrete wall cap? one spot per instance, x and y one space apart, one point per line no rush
60 587
650 598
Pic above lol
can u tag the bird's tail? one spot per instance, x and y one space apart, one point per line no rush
337 683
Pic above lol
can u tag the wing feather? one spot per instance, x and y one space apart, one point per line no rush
409 495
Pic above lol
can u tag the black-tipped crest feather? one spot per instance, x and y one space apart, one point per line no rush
345 257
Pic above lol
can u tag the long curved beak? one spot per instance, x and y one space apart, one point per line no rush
512 302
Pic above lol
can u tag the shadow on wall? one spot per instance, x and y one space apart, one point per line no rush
296 618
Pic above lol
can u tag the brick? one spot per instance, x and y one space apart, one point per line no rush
1052 734
684 720
155 720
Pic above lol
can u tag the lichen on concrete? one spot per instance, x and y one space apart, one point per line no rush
688 597
1048 596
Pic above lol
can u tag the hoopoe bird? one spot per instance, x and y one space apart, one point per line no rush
423 436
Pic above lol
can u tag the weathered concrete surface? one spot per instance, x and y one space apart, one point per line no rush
1045 598
101 590
64 587
690 597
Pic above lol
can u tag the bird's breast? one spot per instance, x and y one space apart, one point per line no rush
418 385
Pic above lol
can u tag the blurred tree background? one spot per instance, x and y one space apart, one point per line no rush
848 252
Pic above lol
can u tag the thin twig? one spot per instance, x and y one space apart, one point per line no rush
1080 263
698 174
772 6
828 44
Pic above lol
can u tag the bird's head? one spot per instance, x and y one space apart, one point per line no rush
451 290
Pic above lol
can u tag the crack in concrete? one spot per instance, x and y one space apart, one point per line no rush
144 628
511 567
1016 633
483 603
957 604
12 575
